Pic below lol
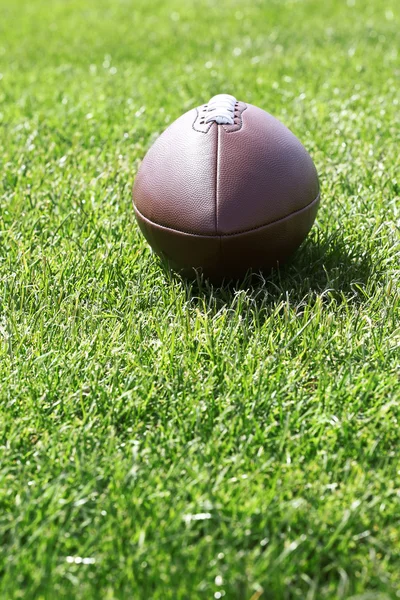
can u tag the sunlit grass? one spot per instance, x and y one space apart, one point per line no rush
165 439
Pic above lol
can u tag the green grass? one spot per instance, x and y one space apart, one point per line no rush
161 439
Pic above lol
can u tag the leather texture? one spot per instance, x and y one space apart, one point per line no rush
175 186
226 198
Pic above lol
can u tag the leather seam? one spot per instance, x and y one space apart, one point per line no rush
216 182
240 232
241 123
200 130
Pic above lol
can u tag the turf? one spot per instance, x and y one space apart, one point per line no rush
164 439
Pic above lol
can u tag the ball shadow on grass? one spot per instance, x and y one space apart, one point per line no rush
323 266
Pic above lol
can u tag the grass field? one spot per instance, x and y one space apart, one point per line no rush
167 440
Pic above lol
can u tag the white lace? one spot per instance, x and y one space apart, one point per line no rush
221 109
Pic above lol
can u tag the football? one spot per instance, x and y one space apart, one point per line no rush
227 188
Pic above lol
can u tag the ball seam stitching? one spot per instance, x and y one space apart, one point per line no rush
225 127
295 212
216 182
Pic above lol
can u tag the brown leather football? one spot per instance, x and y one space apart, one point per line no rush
226 188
